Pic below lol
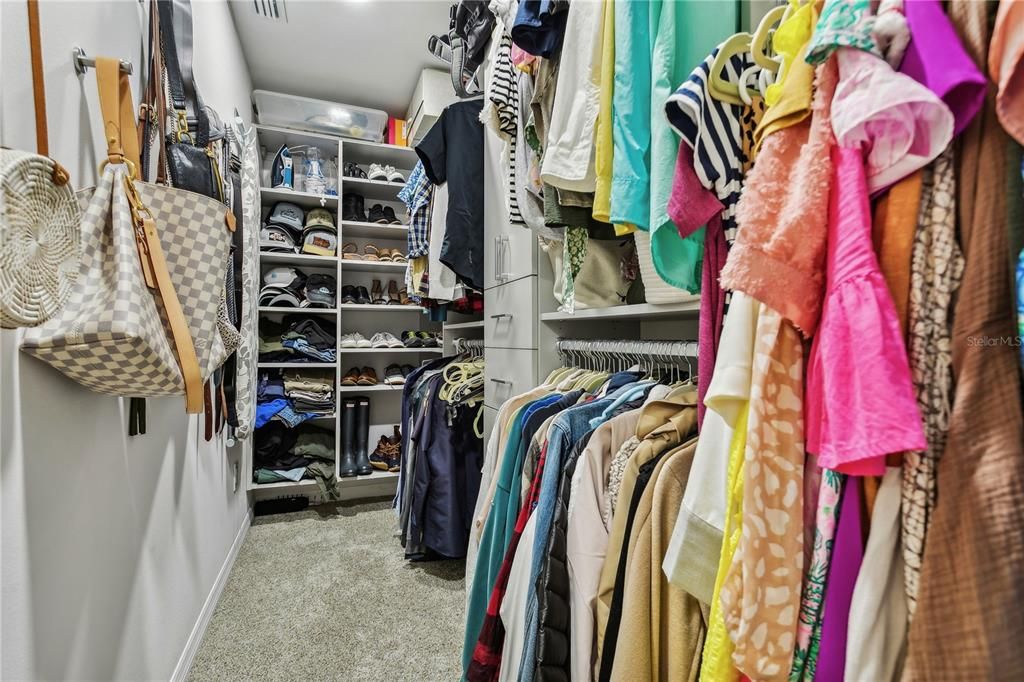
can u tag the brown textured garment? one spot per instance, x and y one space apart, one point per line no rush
970 621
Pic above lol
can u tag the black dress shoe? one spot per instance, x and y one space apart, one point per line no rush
348 294
352 207
362 296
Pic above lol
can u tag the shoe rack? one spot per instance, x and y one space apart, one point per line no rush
367 319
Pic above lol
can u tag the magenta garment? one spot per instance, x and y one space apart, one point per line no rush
860 403
936 59
847 555
690 206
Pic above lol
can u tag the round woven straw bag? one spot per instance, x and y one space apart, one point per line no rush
39 238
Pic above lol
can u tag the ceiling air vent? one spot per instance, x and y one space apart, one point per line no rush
270 9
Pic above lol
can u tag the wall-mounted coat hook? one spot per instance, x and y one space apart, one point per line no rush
83 62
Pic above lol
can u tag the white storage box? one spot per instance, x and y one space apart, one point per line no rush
433 93
319 116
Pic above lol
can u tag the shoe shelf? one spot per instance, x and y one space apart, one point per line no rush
372 266
297 365
372 190
355 228
379 308
304 199
364 153
348 351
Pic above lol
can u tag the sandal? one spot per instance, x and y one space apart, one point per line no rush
350 252
398 257
387 255
371 252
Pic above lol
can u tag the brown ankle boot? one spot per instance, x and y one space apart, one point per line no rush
393 297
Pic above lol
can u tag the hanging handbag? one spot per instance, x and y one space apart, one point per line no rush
143 320
175 124
39 218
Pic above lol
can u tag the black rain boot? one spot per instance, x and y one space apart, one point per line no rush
362 439
347 463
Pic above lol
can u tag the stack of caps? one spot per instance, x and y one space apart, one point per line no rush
290 288
285 229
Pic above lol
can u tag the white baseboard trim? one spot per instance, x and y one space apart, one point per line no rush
195 638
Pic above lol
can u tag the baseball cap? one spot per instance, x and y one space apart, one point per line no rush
322 241
284 276
320 291
276 238
286 214
276 296
319 217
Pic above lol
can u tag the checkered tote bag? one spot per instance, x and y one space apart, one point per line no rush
142 320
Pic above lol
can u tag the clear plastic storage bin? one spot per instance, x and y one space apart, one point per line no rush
319 116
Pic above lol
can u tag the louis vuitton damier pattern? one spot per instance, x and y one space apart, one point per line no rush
113 335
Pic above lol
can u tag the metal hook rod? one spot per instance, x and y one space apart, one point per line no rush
83 62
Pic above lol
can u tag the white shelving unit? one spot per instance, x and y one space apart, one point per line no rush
640 311
385 403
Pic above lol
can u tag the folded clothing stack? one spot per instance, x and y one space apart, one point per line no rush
284 454
289 287
310 393
309 337
296 339
292 400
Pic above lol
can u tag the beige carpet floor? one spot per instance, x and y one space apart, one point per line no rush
325 594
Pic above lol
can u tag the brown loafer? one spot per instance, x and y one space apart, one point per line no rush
367 377
351 377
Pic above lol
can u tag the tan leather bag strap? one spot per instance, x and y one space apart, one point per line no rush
123 146
38 81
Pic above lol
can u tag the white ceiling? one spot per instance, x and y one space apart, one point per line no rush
363 52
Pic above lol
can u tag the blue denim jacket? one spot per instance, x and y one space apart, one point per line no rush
565 430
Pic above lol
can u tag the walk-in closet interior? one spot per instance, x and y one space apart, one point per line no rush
512 340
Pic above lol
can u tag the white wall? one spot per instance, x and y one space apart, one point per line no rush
110 544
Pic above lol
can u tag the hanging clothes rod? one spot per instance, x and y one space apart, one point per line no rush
663 350
83 62
462 345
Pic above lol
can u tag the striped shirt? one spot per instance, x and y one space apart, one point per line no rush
717 131
416 197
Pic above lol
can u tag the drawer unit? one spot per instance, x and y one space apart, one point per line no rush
509 372
510 251
510 315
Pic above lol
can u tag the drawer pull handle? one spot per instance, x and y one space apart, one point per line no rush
501 315
501 381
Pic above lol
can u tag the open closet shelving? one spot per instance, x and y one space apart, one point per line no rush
385 400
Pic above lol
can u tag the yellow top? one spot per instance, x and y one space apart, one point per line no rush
603 129
716 665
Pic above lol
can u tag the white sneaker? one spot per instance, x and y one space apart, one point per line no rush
379 340
391 340
361 341
377 172
348 341
393 174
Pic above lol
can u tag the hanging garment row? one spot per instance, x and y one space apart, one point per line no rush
571 471
837 185
441 452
